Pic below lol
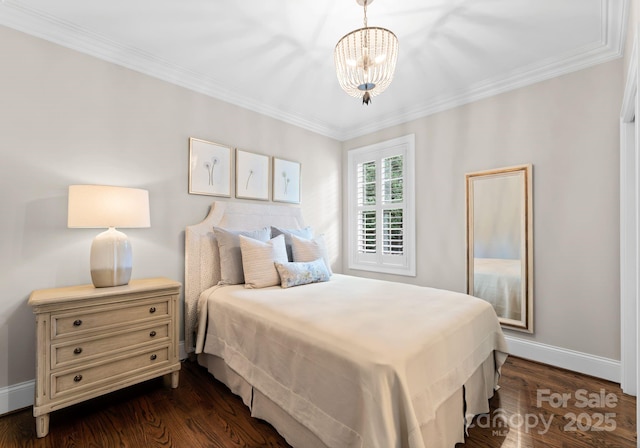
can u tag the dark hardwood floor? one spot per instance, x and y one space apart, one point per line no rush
542 406
527 411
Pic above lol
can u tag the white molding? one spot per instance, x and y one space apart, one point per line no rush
605 368
629 220
40 24
21 395
628 108
588 57
609 47
182 353
17 396
628 256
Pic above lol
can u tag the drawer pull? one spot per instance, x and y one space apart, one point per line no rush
77 378
152 309
153 357
152 334
77 350
77 323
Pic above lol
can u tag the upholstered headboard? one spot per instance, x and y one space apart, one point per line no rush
202 259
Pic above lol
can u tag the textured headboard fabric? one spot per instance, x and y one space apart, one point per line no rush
202 259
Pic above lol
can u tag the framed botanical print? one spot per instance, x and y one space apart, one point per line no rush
209 168
252 175
286 181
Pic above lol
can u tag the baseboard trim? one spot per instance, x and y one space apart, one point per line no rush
605 368
18 396
182 353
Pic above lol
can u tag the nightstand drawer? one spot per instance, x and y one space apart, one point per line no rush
70 323
90 377
87 348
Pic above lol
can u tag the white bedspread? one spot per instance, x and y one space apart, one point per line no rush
360 362
498 282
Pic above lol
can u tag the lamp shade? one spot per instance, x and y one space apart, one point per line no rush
105 206
102 206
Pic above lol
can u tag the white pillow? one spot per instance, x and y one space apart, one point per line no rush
258 261
230 254
310 250
306 233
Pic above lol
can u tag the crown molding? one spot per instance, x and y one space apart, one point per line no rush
610 46
37 23
40 24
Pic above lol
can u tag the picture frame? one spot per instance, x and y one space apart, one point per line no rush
286 181
252 175
209 168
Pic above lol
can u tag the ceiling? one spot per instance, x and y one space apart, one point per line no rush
276 56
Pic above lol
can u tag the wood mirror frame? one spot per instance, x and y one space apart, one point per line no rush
500 242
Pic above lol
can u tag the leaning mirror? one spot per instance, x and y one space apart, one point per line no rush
500 243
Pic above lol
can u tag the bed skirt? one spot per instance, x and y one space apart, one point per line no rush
447 429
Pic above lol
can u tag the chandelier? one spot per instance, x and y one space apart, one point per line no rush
366 59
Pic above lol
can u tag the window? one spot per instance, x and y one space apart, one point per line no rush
381 207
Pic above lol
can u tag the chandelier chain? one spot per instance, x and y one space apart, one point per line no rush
365 13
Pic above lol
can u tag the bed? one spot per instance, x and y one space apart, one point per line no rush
349 362
498 281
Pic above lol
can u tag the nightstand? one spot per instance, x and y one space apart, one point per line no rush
92 341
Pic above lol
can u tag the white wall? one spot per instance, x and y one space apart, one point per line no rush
567 128
67 118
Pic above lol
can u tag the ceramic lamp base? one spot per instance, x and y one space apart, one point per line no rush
111 259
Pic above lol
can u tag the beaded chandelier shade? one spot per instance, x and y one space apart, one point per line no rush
366 59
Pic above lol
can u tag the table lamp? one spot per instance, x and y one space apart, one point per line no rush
101 206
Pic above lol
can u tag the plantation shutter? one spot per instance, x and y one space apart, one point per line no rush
392 195
379 212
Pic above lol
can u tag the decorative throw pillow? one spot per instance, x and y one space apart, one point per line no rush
230 254
258 260
302 273
306 233
310 250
